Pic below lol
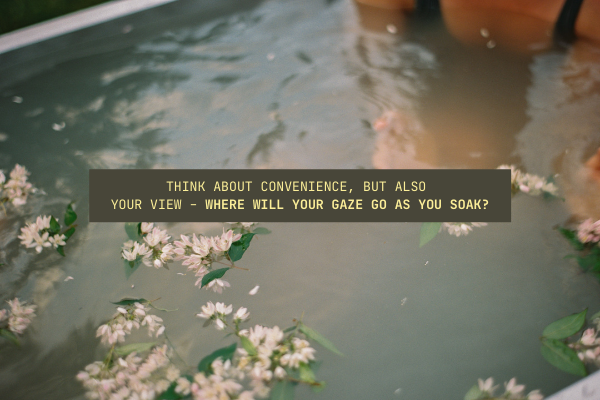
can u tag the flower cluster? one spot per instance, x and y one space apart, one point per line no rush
155 251
588 347
18 317
272 352
222 384
266 353
16 189
39 234
131 377
486 389
218 313
199 253
125 319
529 183
461 228
589 231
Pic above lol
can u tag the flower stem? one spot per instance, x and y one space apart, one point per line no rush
232 265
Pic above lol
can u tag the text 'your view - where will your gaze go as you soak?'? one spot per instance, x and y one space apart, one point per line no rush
307 195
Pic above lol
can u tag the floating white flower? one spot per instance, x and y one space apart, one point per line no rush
127 318
207 311
218 285
222 309
223 243
512 391
242 314
487 386
19 316
131 377
529 183
589 231
461 228
16 189
37 235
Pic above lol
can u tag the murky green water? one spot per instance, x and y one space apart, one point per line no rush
295 85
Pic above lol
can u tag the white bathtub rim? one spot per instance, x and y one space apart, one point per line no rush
73 22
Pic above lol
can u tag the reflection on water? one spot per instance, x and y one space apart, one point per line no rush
563 130
301 85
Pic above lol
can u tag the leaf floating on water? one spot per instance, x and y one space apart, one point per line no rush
128 301
133 230
565 327
429 230
473 393
171 394
237 249
306 373
562 357
61 250
54 226
69 233
283 390
317 337
131 267
70 215
225 353
248 346
212 275
5 333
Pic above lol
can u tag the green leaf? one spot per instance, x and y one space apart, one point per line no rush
5 333
586 262
473 393
283 390
133 230
69 233
565 327
70 215
61 250
130 348
571 236
248 346
319 387
226 353
212 275
291 328
562 357
170 393
131 267
237 249
128 301
54 226
317 337
428 231
261 231
306 373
